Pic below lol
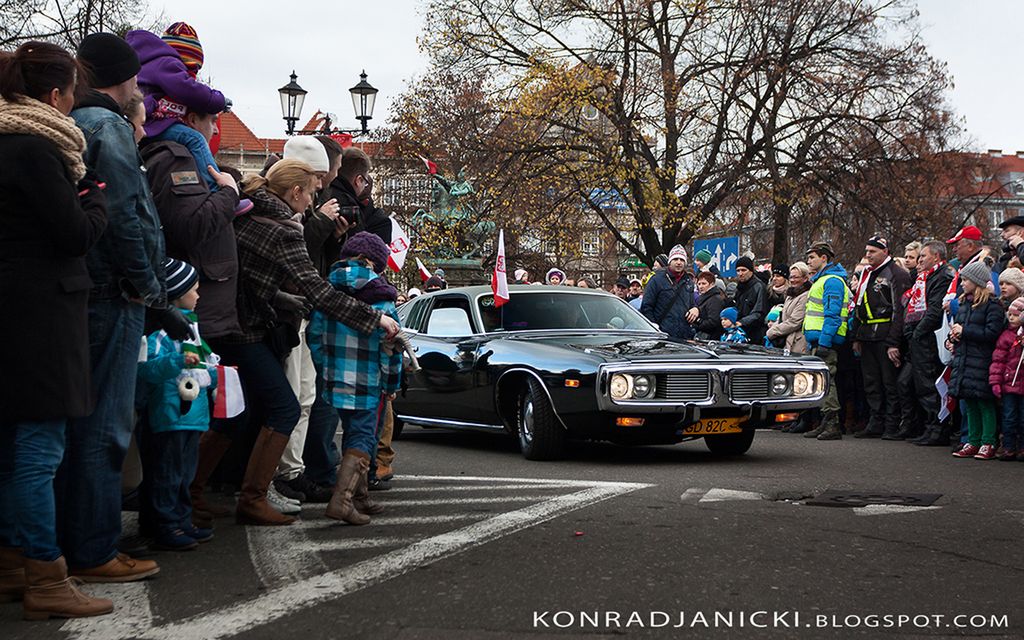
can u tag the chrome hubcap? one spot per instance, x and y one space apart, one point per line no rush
526 424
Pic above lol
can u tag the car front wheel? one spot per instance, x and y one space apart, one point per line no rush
541 437
730 444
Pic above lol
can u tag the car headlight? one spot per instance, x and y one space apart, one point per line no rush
803 384
780 384
643 386
621 386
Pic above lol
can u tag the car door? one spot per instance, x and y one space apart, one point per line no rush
447 347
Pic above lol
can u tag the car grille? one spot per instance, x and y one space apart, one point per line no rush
686 387
745 385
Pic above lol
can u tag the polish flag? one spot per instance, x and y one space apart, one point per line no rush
399 247
947 403
499 283
431 167
230 402
424 274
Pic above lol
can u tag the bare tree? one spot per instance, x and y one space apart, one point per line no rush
66 23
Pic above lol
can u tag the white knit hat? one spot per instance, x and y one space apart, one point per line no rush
309 150
1014 276
677 252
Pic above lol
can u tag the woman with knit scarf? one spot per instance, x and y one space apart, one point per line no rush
51 213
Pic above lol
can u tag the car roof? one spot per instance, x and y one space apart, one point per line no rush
515 288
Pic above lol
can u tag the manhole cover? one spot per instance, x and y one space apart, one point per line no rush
834 498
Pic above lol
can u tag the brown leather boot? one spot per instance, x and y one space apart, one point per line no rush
354 465
12 574
212 447
253 507
361 498
52 594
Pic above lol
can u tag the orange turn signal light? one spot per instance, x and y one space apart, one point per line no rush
629 422
786 417
573 384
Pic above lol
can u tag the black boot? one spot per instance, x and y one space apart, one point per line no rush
939 436
893 432
802 425
925 436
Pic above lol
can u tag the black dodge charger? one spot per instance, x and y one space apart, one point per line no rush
560 363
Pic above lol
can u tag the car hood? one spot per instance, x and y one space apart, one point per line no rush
635 346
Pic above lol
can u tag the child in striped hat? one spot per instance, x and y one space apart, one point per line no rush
171 92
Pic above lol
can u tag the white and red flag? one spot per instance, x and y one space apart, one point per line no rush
399 246
424 274
499 283
431 167
230 402
946 402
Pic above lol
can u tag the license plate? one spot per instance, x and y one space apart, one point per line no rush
712 426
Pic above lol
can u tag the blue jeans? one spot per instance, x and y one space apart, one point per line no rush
269 397
169 461
89 481
30 453
197 146
1013 414
320 454
361 427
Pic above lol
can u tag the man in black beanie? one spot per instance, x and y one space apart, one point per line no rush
127 276
751 301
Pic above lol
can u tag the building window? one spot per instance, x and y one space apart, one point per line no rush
407 191
996 217
591 244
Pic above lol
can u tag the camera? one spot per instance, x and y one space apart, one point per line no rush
351 215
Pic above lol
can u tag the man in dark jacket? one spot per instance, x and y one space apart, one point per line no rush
126 268
1012 231
197 223
353 188
669 296
877 332
922 318
751 301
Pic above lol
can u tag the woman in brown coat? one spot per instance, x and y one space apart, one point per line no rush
791 322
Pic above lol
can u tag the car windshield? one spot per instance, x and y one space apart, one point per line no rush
569 310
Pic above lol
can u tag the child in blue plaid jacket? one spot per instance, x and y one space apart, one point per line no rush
360 370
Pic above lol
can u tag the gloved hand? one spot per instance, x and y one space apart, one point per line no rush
295 305
90 194
174 323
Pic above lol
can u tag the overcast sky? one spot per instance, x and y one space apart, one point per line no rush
250 52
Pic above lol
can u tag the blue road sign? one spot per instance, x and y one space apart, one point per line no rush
724 253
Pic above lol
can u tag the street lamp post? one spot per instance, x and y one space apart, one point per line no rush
292 97
363 97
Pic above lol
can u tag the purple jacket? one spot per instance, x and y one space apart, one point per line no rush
168 87
1006 368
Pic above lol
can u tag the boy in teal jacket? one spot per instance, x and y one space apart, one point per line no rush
176 379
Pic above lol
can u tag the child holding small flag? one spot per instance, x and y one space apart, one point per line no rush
175 379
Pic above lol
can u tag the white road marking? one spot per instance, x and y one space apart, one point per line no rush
890 509
132 614
294 596
722 495
356 543
692 495
476 487
279 556
555 483
442 501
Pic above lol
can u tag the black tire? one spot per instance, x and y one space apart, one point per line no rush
730 444
541 435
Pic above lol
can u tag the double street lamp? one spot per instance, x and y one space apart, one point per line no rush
364 95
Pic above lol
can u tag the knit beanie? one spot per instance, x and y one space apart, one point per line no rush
309 150
109 59
745 262
433 283
731 314
977 272
368 245
774 314
677 252
702 256
1014 276
781 269
183 39
1017 306
180 278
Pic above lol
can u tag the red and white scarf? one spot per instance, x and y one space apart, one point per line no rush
917 303
862 287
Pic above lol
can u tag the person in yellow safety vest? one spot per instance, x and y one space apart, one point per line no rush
828 304
877 333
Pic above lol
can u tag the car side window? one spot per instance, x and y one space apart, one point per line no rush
450 317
